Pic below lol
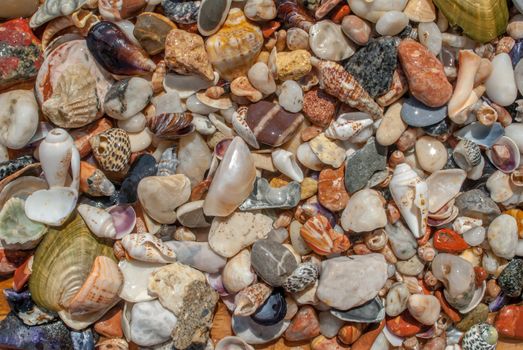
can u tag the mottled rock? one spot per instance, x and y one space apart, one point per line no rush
331 189
356 29
272 261
509 322
511 278
477 204
397 298
404 325
478 315
319 107
344 284
304 326
373 65
402 241
410 267
293 65
502 235
363 163
417 114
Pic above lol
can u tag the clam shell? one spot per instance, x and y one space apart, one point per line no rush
370 312
148 248
51 207
187 85
136 276
508 158
171 126
62 263
124 219
17 231
481 20
21 187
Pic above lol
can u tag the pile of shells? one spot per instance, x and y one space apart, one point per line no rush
231 174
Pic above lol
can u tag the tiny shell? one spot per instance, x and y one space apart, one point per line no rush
148 248
305 274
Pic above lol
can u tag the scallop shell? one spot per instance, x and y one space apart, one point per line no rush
482 20
305 274
146 247
62 263
112 149
171 126
235 47
100 290
74 102
17 231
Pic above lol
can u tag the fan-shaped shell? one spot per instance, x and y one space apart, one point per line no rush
62 263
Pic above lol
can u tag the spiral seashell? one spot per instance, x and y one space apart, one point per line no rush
467 154
112 149
305 274
319 235
116 10
10 167
293 15
74 102
344 129
168 162
83 20
94 182
51 9
148 248
171 126
99 221
248 300
337 82
481 336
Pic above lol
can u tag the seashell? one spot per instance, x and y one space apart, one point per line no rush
421 11
51 207
504 154
100 289
148 248
151 30
11 167
191 215
264 196
482 336
469 14
319 235
112 344
51 9
232 182
62 263
292 15
232 343
234 48
17 231
370 312
54 27
21 187
99 221
127 97
467 155
242 128
136 275
171 126
168 162
481 134
255 333
185 12
272 311
211 15
443 186
18 118
457 274
222 102
336 81
237 273
305 275
344 128
115 52
74 102
241 87
93 181
286 163
410 193
479 293
116 10
112 149
248 300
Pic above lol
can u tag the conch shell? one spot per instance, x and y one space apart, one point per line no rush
482 20
99 221
146 247
410 193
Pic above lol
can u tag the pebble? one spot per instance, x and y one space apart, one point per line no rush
331 189
319 107
477 204
415 113
392 23
410 267
501 84
291 96
304 326
401 240
431 154
151 323
328 42
509 322
476 316
261 78
391 126
511 278
356 29
427 80
363 164
329 324
272 261
298 243
404 325
293 65
297 39
397 298
502 235
364 212
343 283
260 10
430 36
424 308
372 11
328 152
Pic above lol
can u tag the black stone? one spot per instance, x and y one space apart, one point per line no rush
273 310
143 166
181 12
510 279
363 163
373 65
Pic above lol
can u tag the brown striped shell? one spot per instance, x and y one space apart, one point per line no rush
112 149
171 126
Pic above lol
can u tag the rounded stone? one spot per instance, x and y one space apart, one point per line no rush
397 298
431 154
272 261
392 23
416 114
511 278
356 29
392 126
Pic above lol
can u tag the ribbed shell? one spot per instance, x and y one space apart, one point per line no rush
62 263
112 149
319 235
171 126
482 20
146 247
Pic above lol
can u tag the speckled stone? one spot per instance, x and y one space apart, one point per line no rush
477 204
412 267
478 315
416 114
272 262
511 278
373 65
362 164
319 107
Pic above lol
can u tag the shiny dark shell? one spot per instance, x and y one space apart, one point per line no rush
143 166
304 275
12 166
171 126
115 52
273 310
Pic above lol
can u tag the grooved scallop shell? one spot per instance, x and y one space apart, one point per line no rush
482 20
74 102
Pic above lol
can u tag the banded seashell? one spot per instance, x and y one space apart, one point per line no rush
146 247
293 15
305 274
467 154
100 290
112 149
319 235
116 10
171 126
248 300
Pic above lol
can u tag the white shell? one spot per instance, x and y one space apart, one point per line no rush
242 129
136 275
148 248
233 343
443 186
479 293
286 163
187 85
344 128
98 220
51 207
307 157
237 273
327 41
18 118
501 84
464 95
411 195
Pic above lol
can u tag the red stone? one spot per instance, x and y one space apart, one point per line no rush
110 325
323 343
350 332
304 326
331 189
509 322
481 275
448 241
404 325
425 73
319 107
22 274
366 340
339 12
11 259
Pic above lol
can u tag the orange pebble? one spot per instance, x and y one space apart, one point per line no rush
269 28
339 12
453 314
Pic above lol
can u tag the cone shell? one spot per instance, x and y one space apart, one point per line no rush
319 235
248 300
482 20
235 47
62 263
112 149
146 247
100 290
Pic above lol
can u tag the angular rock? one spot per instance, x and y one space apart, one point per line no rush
304 326
402 241
344 284
362 164
272 261
477 204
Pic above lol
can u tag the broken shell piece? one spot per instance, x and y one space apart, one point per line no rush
136 276
51 9
148 248
187 85
285 162
51 207
264 196
308 158
328 151
17 231
99 221
124 219
481 134
504 154
191 215
237 273
211 15
232 343
222 102
319 235
464 95
444 185
242 128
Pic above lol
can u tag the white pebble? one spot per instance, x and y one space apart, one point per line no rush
430 37
392 23
475 236
133 124
261 78
515 27
501 85
291 96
